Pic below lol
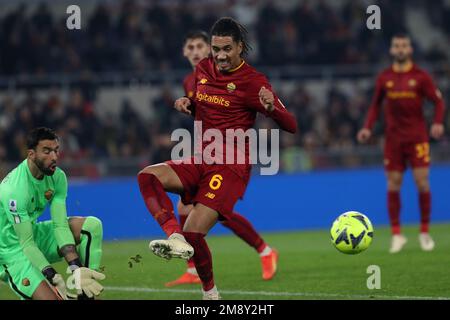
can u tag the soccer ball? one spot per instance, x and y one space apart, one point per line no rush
352 232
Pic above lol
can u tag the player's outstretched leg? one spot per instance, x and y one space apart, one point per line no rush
154 181
245 230
200 220
421 177
190 276
394 179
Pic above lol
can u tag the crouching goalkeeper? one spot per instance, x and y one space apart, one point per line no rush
27 247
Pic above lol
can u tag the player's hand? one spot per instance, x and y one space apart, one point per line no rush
182 104
86 281
59 285
437 130
267 99
364 135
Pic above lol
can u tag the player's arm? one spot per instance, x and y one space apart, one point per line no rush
18 216
373 113
189 92
85 278
63 234
16 209
434 94
186 104
24 232
262 98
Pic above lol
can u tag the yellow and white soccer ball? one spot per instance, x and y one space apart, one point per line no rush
352 232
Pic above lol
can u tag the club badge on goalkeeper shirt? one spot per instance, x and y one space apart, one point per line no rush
48 194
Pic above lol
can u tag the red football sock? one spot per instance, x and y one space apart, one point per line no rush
183 218
425 210
158 203
202 258
244 230
394 206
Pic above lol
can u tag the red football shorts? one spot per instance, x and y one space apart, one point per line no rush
397 155
213 185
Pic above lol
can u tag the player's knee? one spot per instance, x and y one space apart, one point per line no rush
394 184
147 175
144 174
423 185
76 225
94 226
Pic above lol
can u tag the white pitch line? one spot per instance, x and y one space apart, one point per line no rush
275 294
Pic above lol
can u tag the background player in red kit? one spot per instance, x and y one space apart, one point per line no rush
403 86
196 48
229 93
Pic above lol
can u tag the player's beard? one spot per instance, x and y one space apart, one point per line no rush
45 170
223 65
401 59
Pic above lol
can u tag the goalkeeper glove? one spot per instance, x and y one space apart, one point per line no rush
86 281
57 282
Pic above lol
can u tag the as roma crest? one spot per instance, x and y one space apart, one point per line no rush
231 87
48 194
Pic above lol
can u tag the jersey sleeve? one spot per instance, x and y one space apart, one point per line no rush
375 106
430 91
188 86
190 81
185 87
58 212
15 202
24 232
280 114
60 187
191 87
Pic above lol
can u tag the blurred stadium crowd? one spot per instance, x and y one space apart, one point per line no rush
139 35
142 36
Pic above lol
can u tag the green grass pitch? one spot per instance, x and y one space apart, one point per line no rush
309 268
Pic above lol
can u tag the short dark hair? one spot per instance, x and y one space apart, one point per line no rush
401 35
38 134
228 27
196 34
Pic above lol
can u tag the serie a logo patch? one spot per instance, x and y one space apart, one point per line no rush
12 205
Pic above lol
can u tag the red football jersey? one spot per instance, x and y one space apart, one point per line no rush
403 93
230 100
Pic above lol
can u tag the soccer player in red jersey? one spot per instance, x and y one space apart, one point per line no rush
228 95
196 48
403 87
